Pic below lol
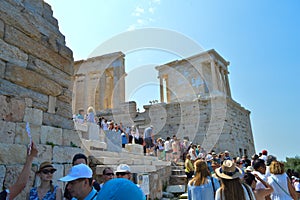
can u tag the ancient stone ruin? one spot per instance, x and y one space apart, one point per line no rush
36 85
40 84
195 100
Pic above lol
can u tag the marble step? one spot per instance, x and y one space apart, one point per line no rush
178 180
176 189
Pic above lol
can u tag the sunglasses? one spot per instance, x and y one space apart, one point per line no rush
109 174
122 173
46 171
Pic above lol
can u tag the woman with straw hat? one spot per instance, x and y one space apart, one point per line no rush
231 185
202 186
46 190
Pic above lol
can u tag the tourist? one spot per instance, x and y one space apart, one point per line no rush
161 149
148 138
264 155
104 124
80 182
80 116
283 189
268 162
231 185
246 161
123 171
202 186
254 157
296 184
216 158
184 148
135 134
79 159
192 153
108 174
188 167
226 155
90 115
259 194
124 139
46 190
23 177
175 149
168 149
120 189
259 170
209 160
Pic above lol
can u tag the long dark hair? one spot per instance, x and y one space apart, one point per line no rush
232 189
249 178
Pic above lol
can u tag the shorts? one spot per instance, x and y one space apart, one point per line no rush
149 143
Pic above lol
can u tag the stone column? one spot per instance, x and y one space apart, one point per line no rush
227 83
213 77
122 81
116 89
222 80
102 87
161 87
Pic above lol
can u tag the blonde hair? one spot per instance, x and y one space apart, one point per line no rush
90 109
277 167
201 173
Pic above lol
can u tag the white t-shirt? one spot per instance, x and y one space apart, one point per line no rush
280 192
259 184
168 145
218 194
297 186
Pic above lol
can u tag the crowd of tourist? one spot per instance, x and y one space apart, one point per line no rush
215 176
218 176
211 175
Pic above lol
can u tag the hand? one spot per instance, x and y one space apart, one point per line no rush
34 151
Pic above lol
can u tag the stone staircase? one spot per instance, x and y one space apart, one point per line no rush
104 150
178 180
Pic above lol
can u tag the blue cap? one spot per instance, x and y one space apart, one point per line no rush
120 189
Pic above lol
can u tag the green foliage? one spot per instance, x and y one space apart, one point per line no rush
51 143
73 145
292 163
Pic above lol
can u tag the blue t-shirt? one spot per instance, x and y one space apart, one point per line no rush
205 191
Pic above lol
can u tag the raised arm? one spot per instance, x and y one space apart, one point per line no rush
266 191
16 188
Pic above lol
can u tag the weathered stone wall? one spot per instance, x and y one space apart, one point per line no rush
35 87
217 123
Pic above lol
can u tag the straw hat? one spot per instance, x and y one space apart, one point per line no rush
228 170
45 165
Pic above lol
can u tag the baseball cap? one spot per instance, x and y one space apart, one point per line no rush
123 168
78 171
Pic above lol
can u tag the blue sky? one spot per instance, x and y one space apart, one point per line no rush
260 39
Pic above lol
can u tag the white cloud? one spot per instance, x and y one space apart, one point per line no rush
138 11
151 10
142 12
